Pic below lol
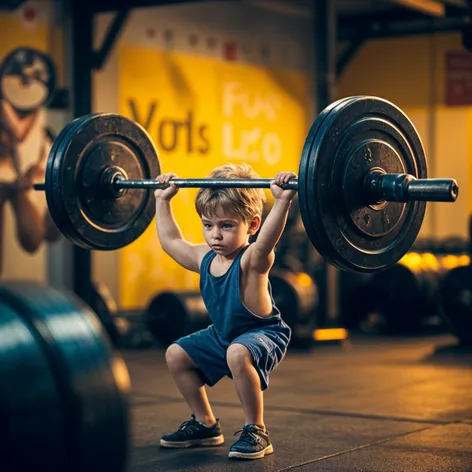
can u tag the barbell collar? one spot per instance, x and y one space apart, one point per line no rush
121 183
380 186
107 181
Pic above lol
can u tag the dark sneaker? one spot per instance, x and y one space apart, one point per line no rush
193 433
254 443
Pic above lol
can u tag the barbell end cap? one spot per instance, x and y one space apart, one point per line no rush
404 188
454 190
433 190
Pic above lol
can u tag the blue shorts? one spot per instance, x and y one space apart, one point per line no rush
208 351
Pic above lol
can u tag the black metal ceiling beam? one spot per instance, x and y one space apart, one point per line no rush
10 5
377 30
348 54
111 36
347 19
455 3
101 6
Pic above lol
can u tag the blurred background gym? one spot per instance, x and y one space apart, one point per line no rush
242 81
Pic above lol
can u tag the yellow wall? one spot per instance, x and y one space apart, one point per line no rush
143 66
201 113
410 72
196 62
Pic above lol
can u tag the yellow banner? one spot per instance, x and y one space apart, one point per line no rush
202 113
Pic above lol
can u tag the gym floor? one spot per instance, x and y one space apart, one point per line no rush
375 404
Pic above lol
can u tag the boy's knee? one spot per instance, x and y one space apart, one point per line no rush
238 358
177 358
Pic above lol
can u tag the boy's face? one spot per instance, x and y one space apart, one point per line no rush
226 233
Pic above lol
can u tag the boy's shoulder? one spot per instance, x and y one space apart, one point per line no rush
201 251
249 261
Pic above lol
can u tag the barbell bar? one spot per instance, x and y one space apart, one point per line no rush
362 183
378 186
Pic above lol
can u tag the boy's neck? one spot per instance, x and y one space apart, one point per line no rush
230 257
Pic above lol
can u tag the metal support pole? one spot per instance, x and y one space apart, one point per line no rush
325 36
82 57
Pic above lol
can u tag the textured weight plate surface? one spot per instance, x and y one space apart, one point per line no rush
358 135
64 391
30 404
87 214
53 181
307 151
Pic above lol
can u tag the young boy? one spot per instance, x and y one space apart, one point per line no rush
247 338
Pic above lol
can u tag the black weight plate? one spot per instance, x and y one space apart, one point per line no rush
90 381
52 180
358 135
32 426
303 191
68 227
94 219
171 315
397 299
167 318
48 182
456 302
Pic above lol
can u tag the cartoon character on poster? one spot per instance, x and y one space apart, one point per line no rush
27 83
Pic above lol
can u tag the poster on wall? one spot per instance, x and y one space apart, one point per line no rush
458 81
202 112
28 80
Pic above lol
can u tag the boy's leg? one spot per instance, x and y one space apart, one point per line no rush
190 384
247 383
251 357
254 442
203 429
195 360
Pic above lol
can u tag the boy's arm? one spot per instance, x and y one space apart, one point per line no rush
170 236
262 254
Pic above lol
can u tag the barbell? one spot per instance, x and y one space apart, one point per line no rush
362 183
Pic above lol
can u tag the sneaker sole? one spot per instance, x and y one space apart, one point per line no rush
217 441
251 455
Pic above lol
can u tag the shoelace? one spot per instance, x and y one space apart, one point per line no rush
249 434
189 426
190 422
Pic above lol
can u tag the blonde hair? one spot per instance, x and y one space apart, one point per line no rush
243 202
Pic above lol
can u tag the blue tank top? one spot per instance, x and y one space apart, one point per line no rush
221 295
